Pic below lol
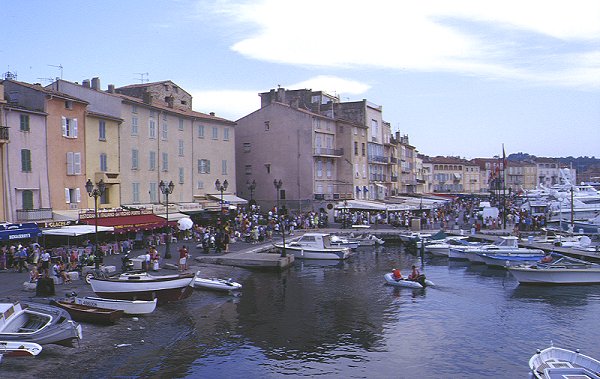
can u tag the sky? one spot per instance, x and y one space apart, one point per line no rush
459 77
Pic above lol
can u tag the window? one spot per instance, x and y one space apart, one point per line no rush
72 195
68 104
103 162
268 167
164 117
319 169
223 167
152 113
134 126
152 191
329 168
165 161
200 184
267 125
225 134
24 123
248 169
73 163
180 124
200 131
69 127
355 129
181 173
247 147
102 130
135 192
134 108
152 161
203 166
374 128
215 132
363 149
151 129
25 160
165 130
181 148
355 148
135 164
27 199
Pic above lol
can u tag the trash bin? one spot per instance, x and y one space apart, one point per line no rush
45 287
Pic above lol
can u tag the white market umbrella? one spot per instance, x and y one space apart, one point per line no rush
185 223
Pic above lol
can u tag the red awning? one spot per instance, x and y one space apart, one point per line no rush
124 224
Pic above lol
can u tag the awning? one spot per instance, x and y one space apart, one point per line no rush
9 232
176 216
123 224
380 185
364 205
76 230
229 199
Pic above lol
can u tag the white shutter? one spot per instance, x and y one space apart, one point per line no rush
78 194
77 164
64 126
67 196
70 170
74 128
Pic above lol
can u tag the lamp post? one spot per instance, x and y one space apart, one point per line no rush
167 189
251 187
95 192
278 184
221 187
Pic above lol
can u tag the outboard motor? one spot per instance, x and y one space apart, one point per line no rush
126 262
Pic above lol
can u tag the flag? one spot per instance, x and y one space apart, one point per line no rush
504 160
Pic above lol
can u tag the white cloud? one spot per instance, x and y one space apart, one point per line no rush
497 39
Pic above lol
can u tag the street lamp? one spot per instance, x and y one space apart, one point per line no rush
278 184
251 187
167 189
221 187
95 192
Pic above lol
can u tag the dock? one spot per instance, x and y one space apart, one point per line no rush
264 256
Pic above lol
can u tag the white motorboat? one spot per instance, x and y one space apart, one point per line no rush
38 323
216 284
504 245
404 282
130 307
556 362
315 246
442 247
143 286
369 240
564 270
344 242
510 259
19 349
414 236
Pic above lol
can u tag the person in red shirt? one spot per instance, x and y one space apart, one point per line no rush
183 255
396 274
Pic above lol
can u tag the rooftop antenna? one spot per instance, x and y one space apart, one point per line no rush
59 67
143 77
10 75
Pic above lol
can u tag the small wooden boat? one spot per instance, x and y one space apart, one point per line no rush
129 307
39 323
19 349
143 286
88 313
389 279
555 362
216 284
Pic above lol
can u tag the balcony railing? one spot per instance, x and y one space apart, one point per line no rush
321 151
378 159
4 134
34 214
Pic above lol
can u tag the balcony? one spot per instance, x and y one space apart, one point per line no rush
378 159
393 160
394 178
4 134
325 152
25 215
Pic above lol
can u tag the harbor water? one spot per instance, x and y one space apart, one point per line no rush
338 320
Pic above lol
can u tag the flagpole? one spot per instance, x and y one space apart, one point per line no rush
503 187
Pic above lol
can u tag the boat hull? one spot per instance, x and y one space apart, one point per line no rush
19 349
530 275
507 260
215 284
129 307
555 362
87 313
389 279
165 289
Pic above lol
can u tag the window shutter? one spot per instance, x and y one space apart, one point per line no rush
70 163
208 166
67 196
74 128
77 163
78 195
64 126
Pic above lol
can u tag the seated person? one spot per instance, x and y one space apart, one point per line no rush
59 271
414 275
547 258
396 274
34 274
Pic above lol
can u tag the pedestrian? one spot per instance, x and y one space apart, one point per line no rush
183 254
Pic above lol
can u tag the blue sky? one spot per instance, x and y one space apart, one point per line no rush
460 77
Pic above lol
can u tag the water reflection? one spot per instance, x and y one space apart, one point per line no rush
559 296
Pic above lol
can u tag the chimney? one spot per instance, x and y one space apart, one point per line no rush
111 88
96 83
1 93
212 114
170 101
85 83
281 95
147 98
